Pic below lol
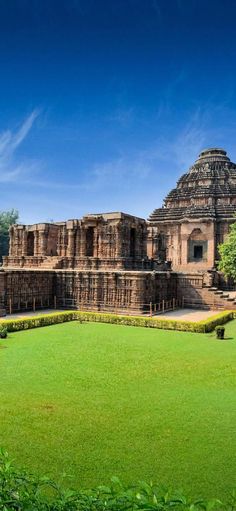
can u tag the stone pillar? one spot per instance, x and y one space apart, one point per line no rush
100 242
16 243
96 241
11 241
70 246
118 241
83 242
42 248
113 242
36 243
24 243
77 242
61 241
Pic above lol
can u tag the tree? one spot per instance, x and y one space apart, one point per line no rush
7 218
227 251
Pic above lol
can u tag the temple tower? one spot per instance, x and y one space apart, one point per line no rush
196 215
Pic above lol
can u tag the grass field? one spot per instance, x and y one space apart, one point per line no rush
97 400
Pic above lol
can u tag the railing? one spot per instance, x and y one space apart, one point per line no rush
150 308
133 308
15 305
186 282
33 304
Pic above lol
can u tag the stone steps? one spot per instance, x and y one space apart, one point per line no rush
208 296
51 263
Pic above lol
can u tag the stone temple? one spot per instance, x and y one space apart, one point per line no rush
120 263
196 214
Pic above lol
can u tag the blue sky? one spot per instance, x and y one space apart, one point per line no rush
105 103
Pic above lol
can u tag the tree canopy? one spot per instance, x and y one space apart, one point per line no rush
227 251
7 218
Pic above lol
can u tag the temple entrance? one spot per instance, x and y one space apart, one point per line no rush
197 251
90 242
30 243
197 247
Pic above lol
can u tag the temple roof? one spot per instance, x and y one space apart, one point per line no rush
208 189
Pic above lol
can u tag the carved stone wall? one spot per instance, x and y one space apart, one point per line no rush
121 291
114 291
26 290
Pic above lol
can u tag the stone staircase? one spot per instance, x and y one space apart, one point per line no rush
199 294
51 263
222 299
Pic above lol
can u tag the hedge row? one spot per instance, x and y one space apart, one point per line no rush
207 325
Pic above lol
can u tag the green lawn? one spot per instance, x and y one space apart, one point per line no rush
97 400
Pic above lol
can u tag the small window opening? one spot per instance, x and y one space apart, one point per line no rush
198 252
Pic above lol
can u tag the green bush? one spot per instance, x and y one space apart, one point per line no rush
219 328
13 325
156 322
3 332
22 491
208 325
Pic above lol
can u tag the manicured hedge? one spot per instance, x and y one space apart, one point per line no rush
13 325
207 325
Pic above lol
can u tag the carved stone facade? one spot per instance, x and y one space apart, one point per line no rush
196 214
112 291
105 241
121 263
99 262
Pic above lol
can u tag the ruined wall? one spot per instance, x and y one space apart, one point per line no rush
110 240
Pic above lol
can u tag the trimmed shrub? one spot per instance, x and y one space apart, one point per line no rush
143 321
220 332
13 325
3 332
25 492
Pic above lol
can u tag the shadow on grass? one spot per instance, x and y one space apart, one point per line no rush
213 336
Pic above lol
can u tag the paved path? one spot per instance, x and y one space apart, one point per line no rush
28 314
188 314
181 314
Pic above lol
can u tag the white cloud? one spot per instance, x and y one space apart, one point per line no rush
157 166
10 171
191 140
